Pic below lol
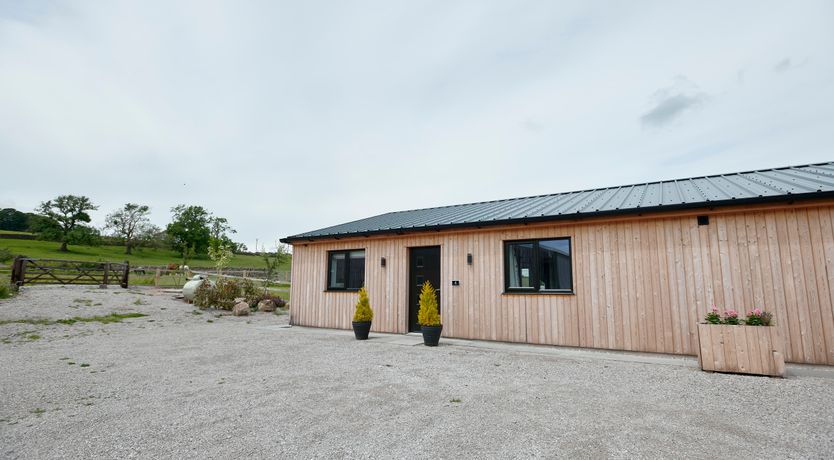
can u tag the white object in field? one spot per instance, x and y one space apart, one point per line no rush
190 288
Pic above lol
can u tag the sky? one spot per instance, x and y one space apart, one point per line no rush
285 117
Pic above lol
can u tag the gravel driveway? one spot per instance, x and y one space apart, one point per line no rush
184 384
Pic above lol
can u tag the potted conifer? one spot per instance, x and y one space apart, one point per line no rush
363 316
428 316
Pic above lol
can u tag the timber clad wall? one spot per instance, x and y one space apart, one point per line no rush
641 283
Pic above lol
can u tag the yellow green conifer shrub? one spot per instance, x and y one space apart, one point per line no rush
428 315
363 313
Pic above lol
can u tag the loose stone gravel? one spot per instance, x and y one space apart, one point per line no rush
180 384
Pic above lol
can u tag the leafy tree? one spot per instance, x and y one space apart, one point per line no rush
68 213
14 220
152 237
194 229
130 223
220 227
189 232
84 235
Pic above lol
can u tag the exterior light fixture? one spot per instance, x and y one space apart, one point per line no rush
469 259
382 262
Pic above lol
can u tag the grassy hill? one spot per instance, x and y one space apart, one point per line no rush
140 256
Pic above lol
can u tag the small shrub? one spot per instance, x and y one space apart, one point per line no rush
363 313
279 302
5 255
253 294
222 295
5 291
757 317
428 315
713 317
203 295
731 317
225 292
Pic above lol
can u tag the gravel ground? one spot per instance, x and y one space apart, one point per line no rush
176 384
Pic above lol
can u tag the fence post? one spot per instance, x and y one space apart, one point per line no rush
22 271
126 275
156 278
106 275
17 274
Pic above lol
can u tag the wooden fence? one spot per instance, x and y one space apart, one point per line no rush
278 276
55 271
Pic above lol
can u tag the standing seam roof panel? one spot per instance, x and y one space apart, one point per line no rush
807 181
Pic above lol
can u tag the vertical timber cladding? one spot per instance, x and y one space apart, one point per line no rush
640 284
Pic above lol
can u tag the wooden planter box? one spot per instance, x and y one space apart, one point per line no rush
741 349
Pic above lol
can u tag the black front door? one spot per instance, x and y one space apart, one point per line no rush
424 265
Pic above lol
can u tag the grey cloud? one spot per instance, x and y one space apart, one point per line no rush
533 126
672 102
787 64
669 109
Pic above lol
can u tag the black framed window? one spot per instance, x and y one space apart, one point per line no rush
538 265
345 270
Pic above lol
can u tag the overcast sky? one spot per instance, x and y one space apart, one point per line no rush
289 116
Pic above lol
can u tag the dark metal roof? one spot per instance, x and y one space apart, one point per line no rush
779 184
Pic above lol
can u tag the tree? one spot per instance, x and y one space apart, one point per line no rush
152 237
129 223
14 220
68 212
221 254
273 260
194 229
189 232
219 227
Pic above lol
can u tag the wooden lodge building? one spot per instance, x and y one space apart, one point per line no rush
625 268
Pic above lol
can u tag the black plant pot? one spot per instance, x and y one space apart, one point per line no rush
431 335
361 329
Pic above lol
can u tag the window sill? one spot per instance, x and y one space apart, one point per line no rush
538 293
342 290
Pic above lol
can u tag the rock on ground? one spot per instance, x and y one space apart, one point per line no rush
266 305
241 309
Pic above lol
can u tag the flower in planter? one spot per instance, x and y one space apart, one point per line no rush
731 317
712 316
757 317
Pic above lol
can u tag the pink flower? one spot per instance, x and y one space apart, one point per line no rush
757 311
731 313
714 309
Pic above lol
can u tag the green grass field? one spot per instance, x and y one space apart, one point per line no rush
141 256
12 232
